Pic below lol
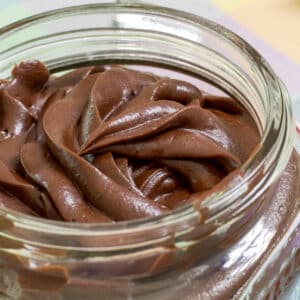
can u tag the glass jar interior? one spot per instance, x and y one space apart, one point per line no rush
138 34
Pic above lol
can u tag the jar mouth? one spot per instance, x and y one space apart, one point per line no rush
269 158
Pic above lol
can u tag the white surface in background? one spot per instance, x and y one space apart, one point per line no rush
296 107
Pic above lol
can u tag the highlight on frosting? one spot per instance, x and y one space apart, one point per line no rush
109 143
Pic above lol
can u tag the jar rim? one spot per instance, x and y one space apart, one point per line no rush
264 157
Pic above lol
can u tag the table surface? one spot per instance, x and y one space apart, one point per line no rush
254 20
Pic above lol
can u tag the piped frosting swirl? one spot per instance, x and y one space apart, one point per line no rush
107 143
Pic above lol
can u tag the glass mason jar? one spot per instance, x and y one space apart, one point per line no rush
241 243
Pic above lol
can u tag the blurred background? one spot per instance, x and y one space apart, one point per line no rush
270 26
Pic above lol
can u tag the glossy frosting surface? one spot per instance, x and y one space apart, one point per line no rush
108 143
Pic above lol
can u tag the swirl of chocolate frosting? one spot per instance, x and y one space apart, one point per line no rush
107 143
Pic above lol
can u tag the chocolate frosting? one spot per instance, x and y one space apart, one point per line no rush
107 143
